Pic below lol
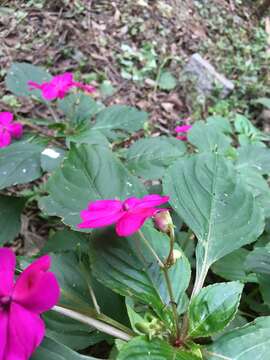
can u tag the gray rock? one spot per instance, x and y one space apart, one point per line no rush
206 78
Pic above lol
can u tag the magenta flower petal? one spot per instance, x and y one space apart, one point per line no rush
16 130
130 224
90 89
5 138
25 333
153 200
28 282
183 128
43 294
49 91
3 332
32 85
6 118
7 268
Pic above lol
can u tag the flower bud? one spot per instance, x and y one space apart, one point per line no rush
163 221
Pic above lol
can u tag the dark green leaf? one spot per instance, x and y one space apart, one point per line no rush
120 118
213 308
53 350
230 267
263 101
127 267
86 135
140 348
10 217
208 138
223 214
20 73
150 157
247 343
19 164
51 158
258 260
79 107
255 158
89 173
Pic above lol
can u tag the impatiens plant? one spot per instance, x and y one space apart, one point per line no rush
160 247
9 129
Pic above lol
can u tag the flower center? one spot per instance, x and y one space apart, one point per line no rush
5 302
125 207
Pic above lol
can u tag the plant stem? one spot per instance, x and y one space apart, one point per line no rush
53 113
160 263
200 277
97 324
172 301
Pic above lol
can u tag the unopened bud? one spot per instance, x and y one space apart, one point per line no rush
163 221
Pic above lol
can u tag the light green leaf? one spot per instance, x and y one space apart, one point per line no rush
167 81
150 157
90 172
79 107
247 343
120 118
19 164
53 350
20 73
140 348
223 214
128 268
230 267
213 308
10 217
208 138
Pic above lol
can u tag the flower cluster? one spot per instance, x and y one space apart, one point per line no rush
59 86
21 303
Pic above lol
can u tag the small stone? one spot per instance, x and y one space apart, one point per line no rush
206 78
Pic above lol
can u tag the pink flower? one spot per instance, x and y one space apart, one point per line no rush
9 129
59 86
183 129
35 291
129 215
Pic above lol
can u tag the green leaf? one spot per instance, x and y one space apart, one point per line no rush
213 308
86 135
255 158
20 73
79 107
258 260
120 118
51 158
19 164
65 240
53 350
167 81
10 217
140 348
223 214
71 333
90 172
150 157
107 89
128 268
247 343
263 101
208 138
230 267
